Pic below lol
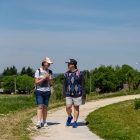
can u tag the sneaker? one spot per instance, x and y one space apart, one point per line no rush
68 122
74 125
45 124
38 125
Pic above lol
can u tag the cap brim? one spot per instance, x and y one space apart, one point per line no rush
50 62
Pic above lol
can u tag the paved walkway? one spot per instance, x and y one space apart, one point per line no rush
57 118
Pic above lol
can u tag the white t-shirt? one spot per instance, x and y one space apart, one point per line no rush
46 85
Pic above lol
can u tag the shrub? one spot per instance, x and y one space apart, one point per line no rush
137 103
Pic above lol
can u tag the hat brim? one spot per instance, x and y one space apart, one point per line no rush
49 62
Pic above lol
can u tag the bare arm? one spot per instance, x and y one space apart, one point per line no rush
39 81
51 81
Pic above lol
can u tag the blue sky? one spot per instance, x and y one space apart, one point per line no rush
94 32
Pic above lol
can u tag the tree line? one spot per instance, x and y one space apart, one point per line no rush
108 78
12 81
104 78
13 71
111 79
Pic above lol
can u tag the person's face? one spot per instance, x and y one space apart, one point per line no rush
70 66
46 64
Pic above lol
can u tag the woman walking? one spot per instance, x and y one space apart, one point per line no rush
43 82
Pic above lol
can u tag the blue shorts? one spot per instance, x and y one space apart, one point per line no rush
42 97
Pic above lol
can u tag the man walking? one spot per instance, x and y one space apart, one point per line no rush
73 91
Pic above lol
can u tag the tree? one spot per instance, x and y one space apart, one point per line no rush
24 83
23 71
30 72
125 70
105 79
13 70
6 72
59 79
10 71
136 83
8 84
130 79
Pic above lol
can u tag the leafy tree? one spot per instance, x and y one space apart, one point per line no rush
130 79
23 83
1 81
8 84
59 79
125 70
136 83
88 77
105 79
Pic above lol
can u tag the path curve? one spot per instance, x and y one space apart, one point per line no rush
57 118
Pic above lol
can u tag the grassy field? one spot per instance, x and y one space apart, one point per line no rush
119 121
16 112
10 104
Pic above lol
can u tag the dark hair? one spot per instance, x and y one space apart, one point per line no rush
43 63
75 66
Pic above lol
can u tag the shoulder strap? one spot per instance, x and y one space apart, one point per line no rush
50 71
79 73
39 71
67 74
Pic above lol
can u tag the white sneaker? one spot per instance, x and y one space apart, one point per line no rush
45 124
38 125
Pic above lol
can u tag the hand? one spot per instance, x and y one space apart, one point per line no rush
46 76
50 76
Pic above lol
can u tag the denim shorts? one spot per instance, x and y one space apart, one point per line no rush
42 97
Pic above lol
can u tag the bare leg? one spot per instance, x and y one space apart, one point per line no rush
76 113
45 110
39 112
68 109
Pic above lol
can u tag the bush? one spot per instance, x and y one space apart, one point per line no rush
137 103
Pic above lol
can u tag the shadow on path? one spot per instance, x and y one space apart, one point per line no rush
52 123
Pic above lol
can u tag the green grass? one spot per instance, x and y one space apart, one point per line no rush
10 104
97 96
13 103
23 108
119 121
